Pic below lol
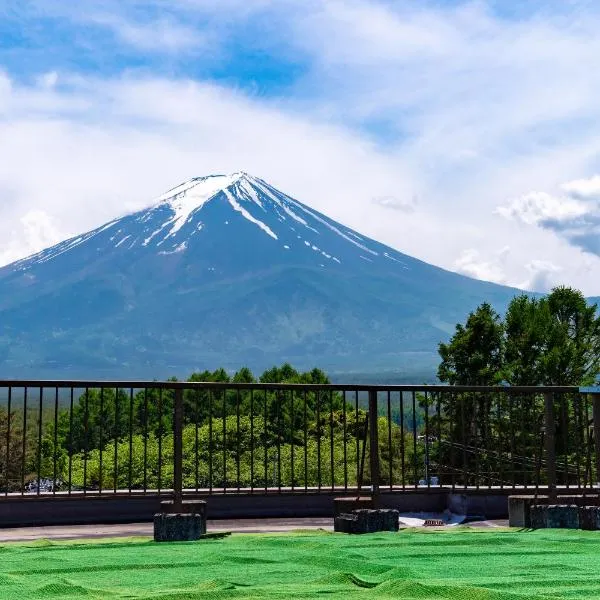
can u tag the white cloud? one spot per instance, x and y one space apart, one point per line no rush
537 207
160 35
544 276
5 91
48 80
471 263
404 204
583 188
575 217
37 231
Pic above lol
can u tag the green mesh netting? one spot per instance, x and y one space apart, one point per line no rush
463 564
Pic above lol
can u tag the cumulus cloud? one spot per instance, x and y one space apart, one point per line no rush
402 204
48 80
160 35
575 215
538 207
542 275
584 232
37 231
583 188
471 263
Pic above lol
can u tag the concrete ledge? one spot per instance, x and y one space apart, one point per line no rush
350 504
179 527
20 511
589 518
189 507
519 510
490 506
367 521
554 516
519 507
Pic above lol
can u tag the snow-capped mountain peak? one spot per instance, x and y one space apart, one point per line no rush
192 195
201 188
238 211
192 206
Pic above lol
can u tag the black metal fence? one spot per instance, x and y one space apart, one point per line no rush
101 438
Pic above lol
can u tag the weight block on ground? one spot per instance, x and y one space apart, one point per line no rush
178 527
367 521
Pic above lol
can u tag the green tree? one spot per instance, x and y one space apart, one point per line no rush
553 340
573 355
245 453
11 451
527 322
97 416
474 355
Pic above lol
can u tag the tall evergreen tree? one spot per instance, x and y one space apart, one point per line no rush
474 355
553 340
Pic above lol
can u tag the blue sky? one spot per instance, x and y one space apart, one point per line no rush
464 133
107 39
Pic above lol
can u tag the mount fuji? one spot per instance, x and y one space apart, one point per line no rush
227 271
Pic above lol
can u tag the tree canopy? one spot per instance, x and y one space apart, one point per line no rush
552 340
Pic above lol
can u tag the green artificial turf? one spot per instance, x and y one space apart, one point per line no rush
463 564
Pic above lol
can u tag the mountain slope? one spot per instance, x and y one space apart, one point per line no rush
227 271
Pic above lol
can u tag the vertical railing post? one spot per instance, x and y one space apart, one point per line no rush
550 444
596 418
178 452
374 444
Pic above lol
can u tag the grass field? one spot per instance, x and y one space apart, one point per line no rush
463 563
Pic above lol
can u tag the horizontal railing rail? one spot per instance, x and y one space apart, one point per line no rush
102 438
138 384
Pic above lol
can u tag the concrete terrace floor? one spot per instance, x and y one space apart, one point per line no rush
75 532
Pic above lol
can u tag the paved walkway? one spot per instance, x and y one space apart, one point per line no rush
75 532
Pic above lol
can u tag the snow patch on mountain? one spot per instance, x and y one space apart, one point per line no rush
265 189
246 188
121 242
155 233
61 248
179 248
236 205
324 222
243 192
189 197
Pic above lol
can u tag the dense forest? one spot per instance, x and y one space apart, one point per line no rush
122 438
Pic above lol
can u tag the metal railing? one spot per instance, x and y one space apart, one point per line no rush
100 438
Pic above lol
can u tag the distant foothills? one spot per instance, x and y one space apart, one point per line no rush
226 270
550 340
